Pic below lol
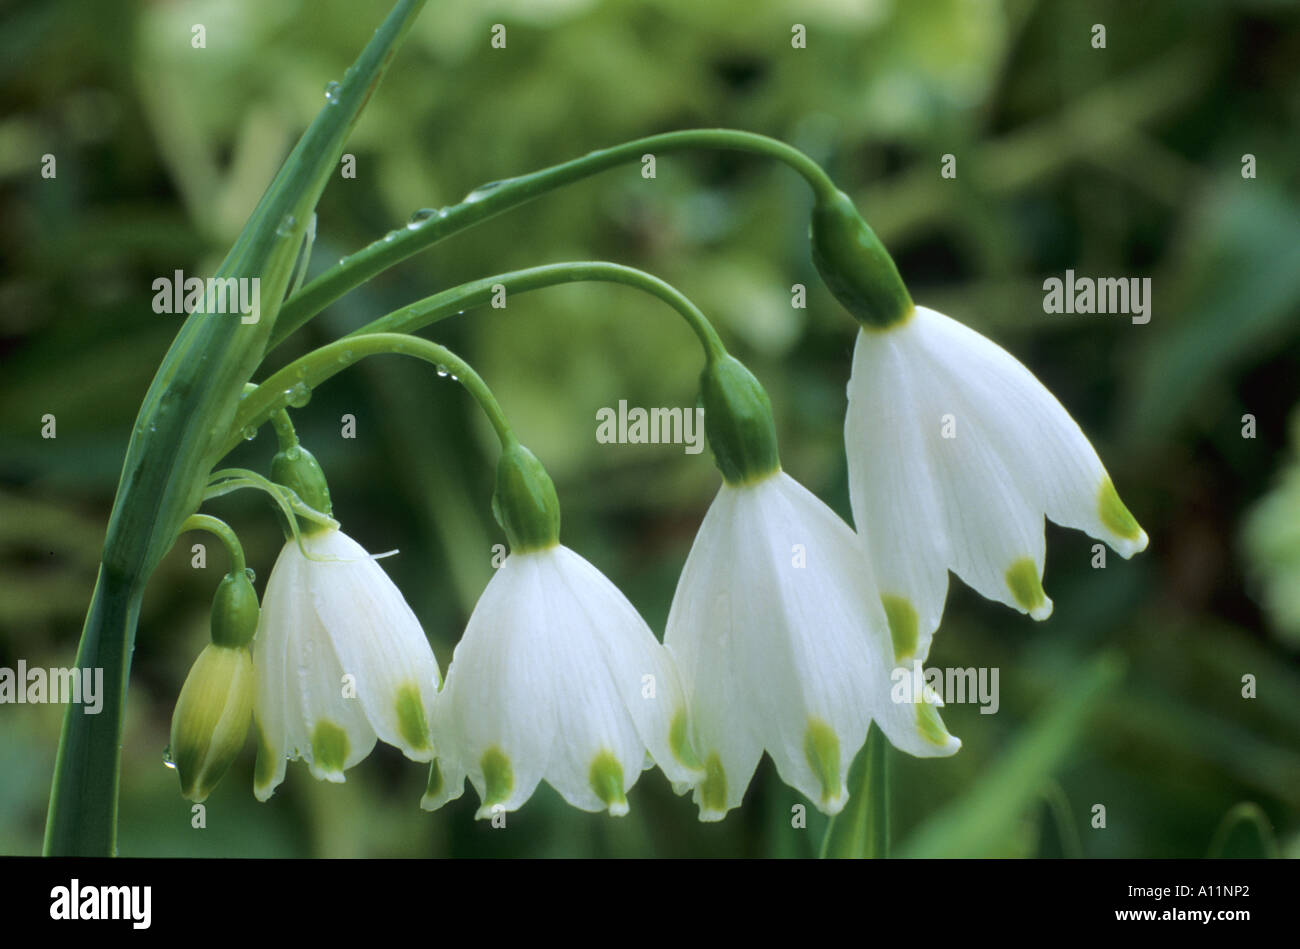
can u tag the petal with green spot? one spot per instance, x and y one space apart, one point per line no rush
904 627
606 779
821 746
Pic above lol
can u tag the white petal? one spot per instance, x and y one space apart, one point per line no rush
496 700
596 748
639 669
783 646
271 667
811 658
896 507
327 730
995 533
1058 467
378 640
446 776
699 635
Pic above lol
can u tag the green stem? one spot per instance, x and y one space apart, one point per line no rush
218 527
455 300
285 435
187 409
317 366
862 829
491 199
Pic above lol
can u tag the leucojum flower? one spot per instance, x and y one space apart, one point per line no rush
955 450
341 660
557 676
778 632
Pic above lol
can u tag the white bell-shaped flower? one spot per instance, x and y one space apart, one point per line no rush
783 646
557 678
956 452
340 659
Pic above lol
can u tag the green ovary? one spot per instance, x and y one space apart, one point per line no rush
411 720
904 627
1026 588
822 749
606 779
329 746
498 776
1114 515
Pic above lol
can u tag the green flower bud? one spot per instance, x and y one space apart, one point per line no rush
297 469
211 718
738 422
234 611
855 265
525 503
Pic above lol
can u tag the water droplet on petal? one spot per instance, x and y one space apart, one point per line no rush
285 227
332 92
167 758
249 433
252 576
442 371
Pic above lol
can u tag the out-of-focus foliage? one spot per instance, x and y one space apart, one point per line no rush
1272 537
1118 162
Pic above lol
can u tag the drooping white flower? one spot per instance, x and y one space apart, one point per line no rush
340 659
956 452
783 646
557 678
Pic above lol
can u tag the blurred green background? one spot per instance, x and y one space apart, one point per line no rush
1121 162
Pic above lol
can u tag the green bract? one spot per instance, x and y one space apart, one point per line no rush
855 265
525 503
738 421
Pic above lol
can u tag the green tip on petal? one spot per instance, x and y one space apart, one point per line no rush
434 787
1118 520
822 749
606 779
265 768
712 792
411 719
931 725
498 776
904 627
1027 589
679 739
329 750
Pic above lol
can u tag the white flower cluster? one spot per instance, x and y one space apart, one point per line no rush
783 633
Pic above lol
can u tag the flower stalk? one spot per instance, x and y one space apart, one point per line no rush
493 198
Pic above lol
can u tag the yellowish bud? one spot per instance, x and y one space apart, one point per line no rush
211 717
